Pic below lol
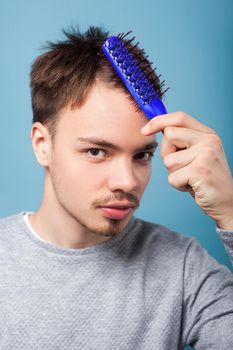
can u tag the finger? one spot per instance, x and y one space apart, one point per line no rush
167 147
181 179
204 161
180 138
179 119
178 160
205 167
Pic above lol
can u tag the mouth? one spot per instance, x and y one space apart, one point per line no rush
117 211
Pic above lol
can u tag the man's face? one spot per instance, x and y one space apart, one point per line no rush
101 159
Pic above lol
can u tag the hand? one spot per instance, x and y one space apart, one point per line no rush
196 162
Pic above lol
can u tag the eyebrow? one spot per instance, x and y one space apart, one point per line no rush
104 143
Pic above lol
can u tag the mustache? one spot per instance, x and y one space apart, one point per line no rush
118 196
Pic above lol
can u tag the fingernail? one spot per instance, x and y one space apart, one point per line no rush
145 128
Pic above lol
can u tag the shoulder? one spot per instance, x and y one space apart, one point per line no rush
9 220
152 239
160 234
10 224
175 249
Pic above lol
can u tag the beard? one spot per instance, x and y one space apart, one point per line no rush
110 228
103 226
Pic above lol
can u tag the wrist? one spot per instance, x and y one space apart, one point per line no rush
226 224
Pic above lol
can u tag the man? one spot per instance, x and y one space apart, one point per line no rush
82 272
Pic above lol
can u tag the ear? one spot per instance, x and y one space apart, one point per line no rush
41 143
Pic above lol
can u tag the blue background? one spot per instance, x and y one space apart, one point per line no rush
191 44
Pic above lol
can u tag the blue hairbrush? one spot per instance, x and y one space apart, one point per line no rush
133 76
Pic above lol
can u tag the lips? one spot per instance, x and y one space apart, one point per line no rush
119 206
117 211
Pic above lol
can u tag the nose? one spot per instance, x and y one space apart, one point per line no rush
122 177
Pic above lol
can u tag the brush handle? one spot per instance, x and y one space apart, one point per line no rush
154 108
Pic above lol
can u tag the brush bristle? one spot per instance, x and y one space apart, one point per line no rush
135 75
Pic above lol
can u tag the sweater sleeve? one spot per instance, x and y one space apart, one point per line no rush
207 320
227 238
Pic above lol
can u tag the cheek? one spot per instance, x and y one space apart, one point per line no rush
76 174
145 177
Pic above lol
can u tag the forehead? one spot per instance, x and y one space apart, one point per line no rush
108 114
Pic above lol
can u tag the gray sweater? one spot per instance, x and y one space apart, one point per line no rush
149 288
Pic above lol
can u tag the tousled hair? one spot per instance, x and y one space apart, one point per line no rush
67 69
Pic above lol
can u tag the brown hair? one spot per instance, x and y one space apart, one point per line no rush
65 72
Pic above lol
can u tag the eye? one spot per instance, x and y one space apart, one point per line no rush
96 153
144 156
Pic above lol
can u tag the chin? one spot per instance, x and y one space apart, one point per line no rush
108 227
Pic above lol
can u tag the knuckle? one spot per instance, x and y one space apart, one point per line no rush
202 169
215 142
216 139
167 161
181 116
210 153
212 131
168 131
174 181
171 180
